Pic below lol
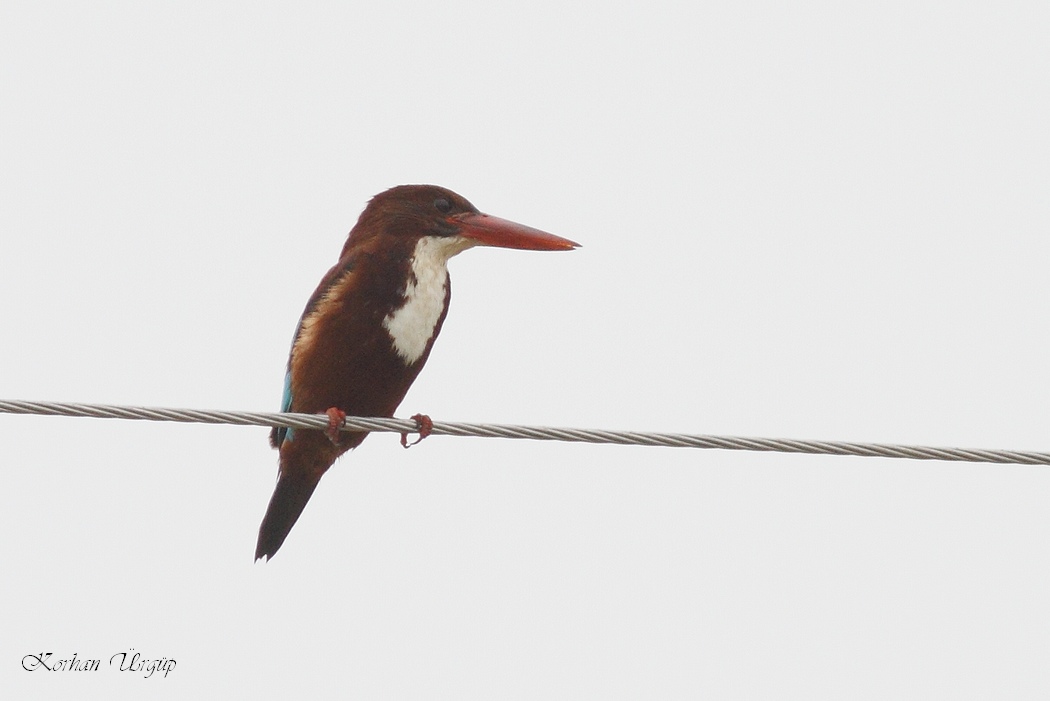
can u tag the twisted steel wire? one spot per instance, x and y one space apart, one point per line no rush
540 433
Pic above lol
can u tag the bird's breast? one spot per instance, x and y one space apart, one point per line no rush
412 325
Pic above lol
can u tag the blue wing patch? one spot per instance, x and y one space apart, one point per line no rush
283 433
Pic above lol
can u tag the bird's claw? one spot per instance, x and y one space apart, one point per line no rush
336 420
424 427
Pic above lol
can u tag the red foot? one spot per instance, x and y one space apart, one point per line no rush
336 417
424 427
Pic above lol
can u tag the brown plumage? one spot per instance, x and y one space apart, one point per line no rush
369 327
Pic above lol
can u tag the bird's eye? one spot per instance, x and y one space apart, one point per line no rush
442 205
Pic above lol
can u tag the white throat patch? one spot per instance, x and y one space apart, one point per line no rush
411 326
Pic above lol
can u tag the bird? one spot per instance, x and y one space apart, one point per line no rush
369 327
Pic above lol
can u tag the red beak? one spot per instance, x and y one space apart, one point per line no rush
493 231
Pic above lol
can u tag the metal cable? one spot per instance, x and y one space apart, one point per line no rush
540 433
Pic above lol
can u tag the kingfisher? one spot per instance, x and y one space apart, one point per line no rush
368 329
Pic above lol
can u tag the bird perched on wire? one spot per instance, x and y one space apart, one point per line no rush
368 329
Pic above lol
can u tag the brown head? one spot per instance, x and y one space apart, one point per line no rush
413 211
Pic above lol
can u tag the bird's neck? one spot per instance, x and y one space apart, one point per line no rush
413 325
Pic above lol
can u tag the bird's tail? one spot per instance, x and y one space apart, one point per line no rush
289 499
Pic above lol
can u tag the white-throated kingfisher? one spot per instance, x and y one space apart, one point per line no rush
368 329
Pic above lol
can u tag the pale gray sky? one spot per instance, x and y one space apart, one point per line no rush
820 221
